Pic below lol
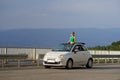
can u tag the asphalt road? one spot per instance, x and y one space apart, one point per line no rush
98 72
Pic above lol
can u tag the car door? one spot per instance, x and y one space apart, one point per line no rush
78 55
86 53
83 52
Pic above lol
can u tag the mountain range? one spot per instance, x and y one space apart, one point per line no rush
51 37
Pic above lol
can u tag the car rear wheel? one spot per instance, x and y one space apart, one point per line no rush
69 64
89 63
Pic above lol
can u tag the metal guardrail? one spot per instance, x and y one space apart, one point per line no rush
106 56
18 57
96 58
13 56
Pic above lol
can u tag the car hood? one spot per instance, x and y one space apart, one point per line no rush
55 54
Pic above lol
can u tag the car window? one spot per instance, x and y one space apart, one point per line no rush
80 48
63 47
85 48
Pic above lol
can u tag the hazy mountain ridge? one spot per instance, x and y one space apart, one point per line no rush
52 37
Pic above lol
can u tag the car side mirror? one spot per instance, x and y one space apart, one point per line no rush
75 51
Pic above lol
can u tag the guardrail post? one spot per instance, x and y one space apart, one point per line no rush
98 60
35 55
18 63
38 60
112 60
118 60
6 52
94 60
2 63
105 60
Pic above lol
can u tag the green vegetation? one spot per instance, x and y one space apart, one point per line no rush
113 46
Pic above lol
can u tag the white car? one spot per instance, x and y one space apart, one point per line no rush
68 56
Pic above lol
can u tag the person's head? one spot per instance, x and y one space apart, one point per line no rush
72 33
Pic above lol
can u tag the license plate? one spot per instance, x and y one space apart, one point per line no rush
51 61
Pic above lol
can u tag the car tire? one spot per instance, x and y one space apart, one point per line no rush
69 64
89 63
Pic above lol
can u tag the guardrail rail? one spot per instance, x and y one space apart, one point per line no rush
18 57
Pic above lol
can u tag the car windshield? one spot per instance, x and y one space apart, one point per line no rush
63 47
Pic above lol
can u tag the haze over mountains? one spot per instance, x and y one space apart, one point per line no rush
53 37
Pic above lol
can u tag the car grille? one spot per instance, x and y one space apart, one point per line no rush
51 62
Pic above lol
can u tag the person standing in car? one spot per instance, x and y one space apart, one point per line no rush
72 39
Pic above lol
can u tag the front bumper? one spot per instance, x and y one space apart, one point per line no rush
56 63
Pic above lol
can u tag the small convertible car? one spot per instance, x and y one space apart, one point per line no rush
68 56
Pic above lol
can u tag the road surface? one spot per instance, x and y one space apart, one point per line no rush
98 72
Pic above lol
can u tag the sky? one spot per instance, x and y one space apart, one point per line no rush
34 14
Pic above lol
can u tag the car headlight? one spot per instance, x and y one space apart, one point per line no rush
61 57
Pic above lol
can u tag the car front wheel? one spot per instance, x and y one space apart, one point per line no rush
69 64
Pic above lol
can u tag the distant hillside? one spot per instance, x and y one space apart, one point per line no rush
112 46
52 37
